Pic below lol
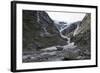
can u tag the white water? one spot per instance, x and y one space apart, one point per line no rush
76 30
68 43
53 54
50 48
65 37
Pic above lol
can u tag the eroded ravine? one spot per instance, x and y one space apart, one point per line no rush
53 53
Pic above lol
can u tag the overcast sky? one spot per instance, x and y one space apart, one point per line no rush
66 16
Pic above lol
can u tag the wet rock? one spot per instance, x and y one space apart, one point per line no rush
59 48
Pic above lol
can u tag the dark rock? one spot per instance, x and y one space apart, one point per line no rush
83 37
71 28
59 48
39 30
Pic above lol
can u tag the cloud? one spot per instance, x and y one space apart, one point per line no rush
68 17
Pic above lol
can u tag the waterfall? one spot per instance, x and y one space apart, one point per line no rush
76 30
65 37
69 44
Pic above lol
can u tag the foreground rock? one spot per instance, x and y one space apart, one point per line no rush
53 55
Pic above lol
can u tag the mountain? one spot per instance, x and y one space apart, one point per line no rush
80 33
39 31
71 28
82 36
60 25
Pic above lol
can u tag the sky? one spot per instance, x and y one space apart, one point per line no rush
68 17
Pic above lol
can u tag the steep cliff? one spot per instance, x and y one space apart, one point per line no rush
82 36
39 31
80 33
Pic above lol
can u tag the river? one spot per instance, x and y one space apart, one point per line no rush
53 53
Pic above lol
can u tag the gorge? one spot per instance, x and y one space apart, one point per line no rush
43 41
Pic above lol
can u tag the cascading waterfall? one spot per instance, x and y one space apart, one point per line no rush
65 37
76 30
69 44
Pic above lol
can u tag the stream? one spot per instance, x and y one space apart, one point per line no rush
54 53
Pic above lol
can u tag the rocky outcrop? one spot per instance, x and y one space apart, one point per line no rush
71 28
79 33
39 31
82 36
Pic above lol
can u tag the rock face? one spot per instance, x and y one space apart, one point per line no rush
79 33
71 28
60 25
82 36
39 31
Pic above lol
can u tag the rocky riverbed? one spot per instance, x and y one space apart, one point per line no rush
54 54
43 41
